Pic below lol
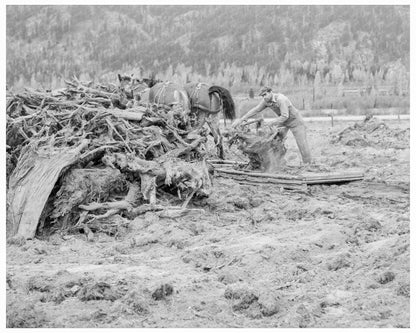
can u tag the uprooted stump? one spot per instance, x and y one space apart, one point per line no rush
80 187
75 161
266 151
372 132
32 182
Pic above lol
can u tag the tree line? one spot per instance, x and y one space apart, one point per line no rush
236 46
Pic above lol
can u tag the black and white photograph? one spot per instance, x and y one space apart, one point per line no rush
208 165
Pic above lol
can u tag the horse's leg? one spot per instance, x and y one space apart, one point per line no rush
213 123
200 118
151 96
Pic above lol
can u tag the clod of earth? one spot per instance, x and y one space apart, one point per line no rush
98 291
162 292
386 277
136 302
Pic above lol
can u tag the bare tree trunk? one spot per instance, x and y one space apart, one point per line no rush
32 182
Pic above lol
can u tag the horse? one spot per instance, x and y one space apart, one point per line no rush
206 104
200 101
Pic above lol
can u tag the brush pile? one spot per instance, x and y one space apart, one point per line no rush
78 159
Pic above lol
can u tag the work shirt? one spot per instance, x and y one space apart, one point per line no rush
288 115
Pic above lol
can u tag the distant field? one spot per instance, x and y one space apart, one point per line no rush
382 105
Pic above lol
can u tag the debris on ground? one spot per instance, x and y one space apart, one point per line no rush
372 132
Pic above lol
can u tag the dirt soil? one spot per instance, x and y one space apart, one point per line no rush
337 256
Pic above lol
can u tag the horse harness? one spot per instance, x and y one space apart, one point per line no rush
161 93
194 98
140 92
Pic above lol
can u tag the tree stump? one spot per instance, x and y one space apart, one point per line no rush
265 151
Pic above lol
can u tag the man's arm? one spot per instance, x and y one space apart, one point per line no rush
284 113
257 109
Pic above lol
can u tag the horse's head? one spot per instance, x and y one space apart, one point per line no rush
131 86
125 84
124 79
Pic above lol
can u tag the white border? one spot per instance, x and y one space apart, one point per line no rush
223 2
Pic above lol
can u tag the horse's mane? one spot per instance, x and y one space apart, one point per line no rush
227 100
151 81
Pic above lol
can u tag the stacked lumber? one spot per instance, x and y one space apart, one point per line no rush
257 178
65 147
298 181
290 181
333 177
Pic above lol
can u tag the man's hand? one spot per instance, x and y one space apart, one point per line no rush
239 122
235 123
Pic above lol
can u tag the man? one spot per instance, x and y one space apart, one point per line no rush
288 117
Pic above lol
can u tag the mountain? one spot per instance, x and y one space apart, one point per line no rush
232 44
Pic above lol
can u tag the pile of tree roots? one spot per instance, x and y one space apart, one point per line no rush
78 159
372 132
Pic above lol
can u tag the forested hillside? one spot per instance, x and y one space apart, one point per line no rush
230 45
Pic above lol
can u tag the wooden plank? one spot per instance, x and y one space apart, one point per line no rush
269 180
331 181
258 181
261 175
302 188
226 162
333 175
218 166
263 179
292 180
